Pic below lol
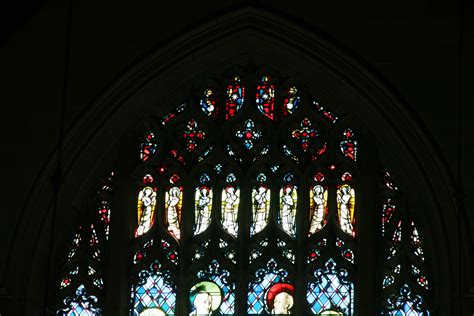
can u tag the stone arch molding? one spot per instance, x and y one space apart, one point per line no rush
160 82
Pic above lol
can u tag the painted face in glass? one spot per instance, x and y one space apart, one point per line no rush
203 304
282 304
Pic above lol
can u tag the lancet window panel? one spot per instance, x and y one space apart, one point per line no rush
81 286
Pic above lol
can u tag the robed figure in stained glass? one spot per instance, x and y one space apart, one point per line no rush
173 211
288 209
345 205
203 209
318 204
145 210
261 207
230 202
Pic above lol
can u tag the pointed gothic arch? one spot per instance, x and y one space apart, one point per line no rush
168 74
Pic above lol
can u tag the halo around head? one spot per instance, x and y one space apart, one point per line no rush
276 289
207 287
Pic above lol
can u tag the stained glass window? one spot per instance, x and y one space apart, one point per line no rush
331 289
292 101
242 204
406 304
230 207
145 210
260 206
288 204
203 201
235 97
81 280
318 199
345 207
217 290
267 284
81 304
154 289
266 97
148 146
404 264
173 204
208 103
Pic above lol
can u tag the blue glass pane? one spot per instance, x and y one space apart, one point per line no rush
330 290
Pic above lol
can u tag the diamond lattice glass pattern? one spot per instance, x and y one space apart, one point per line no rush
331 289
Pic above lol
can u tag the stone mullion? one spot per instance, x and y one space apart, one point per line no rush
367 218
116 278
301 235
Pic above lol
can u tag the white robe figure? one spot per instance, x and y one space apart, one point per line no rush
287 212
172 212
203 214
317 220
261 210
344 196
148 199
229 221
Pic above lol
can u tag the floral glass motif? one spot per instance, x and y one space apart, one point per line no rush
173 205
148 146
315 252
192 136
286 252
318 205
142 253
145 210
406 304
260 208
292 101
249 134
235 97
288 204
208 103
388 209
200 251
345 196
390 278
346 252
264 291
331 289
230 209
327 114
154 289
305 135
349 145
66 281
265 96
203 209
223 291
80 304
420 278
